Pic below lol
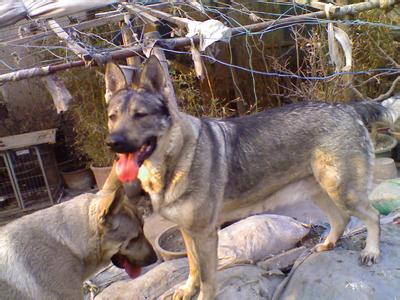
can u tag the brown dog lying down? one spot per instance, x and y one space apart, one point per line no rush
48 254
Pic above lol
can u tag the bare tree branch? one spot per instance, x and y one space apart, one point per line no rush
389 92
358 94
383 52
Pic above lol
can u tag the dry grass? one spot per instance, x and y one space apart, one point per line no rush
89 115
373 48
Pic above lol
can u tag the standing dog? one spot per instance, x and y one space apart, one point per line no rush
48 254
198 171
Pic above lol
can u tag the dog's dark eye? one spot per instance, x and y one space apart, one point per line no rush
139 115
112 117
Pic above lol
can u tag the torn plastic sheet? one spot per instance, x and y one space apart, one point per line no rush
337 36
62 98
209 31
196 5
58 8
198 63
12 11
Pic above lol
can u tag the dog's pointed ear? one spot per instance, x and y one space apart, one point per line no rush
115 80
110 204
152 78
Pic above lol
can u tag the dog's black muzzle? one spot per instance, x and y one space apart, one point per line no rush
119 144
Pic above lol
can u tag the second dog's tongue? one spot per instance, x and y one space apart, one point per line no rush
127 167
132 271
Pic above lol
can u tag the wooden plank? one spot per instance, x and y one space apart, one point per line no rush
182 22
28 139
146 16
129 37
314 4
80 51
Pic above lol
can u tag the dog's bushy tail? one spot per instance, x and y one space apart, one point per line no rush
387 111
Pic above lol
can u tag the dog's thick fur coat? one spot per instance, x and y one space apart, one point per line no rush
199 171
48 254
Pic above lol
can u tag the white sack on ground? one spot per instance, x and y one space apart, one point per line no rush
257 237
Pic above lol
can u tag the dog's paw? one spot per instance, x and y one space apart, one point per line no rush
323 247
368 258
184 292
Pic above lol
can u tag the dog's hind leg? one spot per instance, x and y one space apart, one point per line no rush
370 217
193 282
346 180
338 219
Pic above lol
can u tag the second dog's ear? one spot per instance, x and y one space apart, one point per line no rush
152 78
115 80
110 204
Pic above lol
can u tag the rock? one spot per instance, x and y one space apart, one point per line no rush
239 282
150 285
245 282
102 279
108 276
337 274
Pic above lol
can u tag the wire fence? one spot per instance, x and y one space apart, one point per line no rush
254 46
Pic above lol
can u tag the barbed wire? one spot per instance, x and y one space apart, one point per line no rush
36 54
392 71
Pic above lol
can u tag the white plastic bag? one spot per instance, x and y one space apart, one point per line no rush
11 12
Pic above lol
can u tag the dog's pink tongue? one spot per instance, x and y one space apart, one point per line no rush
132 271
127 167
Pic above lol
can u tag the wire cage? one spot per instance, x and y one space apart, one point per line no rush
8 192
29 179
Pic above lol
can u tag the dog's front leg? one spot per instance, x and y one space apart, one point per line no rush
187 290
206 246
202 255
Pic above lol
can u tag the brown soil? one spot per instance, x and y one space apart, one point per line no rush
314 237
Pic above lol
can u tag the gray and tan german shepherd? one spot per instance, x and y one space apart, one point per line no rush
199 171
48 254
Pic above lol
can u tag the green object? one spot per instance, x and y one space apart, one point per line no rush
386 196
384 146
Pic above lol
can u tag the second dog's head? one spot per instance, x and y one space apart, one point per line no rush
121 234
